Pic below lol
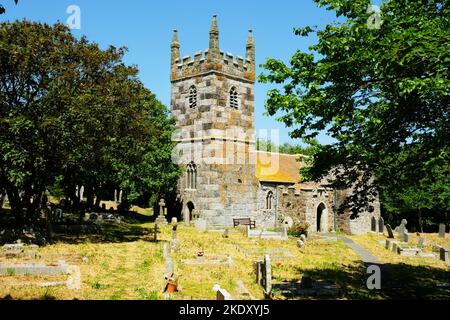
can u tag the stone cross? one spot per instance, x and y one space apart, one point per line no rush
389 230
442 230
161 203
381 225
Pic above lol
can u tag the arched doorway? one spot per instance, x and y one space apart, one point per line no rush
191 208
320 218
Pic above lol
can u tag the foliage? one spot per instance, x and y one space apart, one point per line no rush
376 91
287 148
73 114
298 229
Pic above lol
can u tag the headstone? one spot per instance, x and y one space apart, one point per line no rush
395 247
222 294
161 219
288 221
443 254
226 234
390 233
442 230
259 271
421 243
284 231
402 229
174 221
373 224
267 276
81 191
388 244
381 225
300 244
303 238
200 225
186 217
406 237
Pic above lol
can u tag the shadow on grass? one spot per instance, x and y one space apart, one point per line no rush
398 281
128 230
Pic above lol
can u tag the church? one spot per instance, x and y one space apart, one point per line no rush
224 176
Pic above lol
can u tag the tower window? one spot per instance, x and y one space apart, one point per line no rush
192 97
269 199
234 98
191 176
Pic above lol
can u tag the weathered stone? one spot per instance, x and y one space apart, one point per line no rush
442 230
390 233
200 225
443 255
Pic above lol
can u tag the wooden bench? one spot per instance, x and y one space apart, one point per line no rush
245 222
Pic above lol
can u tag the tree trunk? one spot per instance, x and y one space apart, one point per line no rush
16 205
419 216
2 198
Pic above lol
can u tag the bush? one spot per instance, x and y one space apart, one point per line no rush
298 229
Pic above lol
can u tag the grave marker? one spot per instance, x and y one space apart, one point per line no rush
442 230
443 254
373 224
381 225
389 230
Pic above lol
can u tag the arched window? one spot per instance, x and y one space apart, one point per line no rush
191 176
269 199
234 102
192 97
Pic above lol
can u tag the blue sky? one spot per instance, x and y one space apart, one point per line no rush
145 27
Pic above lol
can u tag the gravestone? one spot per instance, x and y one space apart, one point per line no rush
388 244
259 271
161 219
226 234
373 224
443 255
155 233
174 243
267 276
300 244
288 221
402 228
186 217
303 238
381 225
389 230
200 225
421 243
442 230
406 237
174 221
222 294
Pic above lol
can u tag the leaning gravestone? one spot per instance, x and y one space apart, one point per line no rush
442 231
389 230
381 225
443 253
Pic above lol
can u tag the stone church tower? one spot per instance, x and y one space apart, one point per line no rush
213 104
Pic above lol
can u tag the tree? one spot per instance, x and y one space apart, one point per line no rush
73 114
2 8
377 91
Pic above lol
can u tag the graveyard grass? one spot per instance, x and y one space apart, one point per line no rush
123 264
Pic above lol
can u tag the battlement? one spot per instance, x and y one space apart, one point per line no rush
213 59
200 63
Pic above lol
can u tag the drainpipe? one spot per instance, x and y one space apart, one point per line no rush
335 209
276 207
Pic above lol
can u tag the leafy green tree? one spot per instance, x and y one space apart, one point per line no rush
376 91
73 114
